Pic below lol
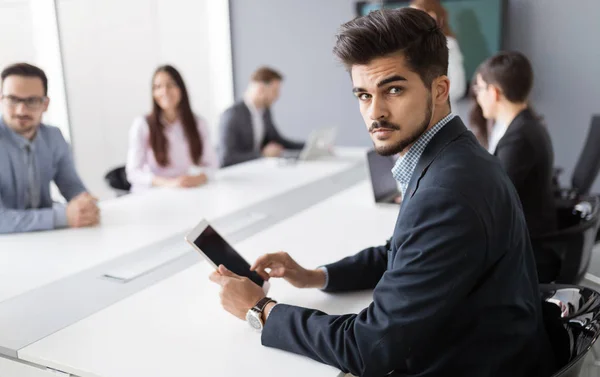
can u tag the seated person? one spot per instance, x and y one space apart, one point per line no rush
246 129
32 155
170 146
455 291
522 144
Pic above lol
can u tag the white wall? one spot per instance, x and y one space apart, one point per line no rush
110 50
48 57
16 39
30 35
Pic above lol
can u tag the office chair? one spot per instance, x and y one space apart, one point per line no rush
572 321
117 180
587 167
574 240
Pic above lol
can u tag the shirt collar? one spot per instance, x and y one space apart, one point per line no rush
405 165
498 131
253 108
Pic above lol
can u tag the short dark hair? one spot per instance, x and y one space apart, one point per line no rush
409 31
511 71
27 70
266 75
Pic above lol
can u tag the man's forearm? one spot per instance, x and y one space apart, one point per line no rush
315 279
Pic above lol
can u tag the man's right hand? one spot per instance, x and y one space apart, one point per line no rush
272 150
281 265
82 211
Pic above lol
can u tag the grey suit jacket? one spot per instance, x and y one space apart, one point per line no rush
236 135
53 162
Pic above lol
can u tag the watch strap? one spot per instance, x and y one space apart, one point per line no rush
262 303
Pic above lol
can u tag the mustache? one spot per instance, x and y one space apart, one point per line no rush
383 124
23 117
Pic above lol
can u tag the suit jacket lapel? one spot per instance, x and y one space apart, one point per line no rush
269 127
18 169
445 136
514 128
250 127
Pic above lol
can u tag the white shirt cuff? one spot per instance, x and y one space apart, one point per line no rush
324 269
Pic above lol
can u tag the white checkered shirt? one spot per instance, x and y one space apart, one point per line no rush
405 165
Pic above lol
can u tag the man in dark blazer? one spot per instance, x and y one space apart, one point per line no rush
246 129
455 288
523 146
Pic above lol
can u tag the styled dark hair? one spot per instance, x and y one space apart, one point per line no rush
266 75
510 71
27 70
158 140
409 31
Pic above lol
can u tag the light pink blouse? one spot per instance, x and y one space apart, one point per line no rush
142 166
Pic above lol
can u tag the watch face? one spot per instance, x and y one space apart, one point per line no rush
253 320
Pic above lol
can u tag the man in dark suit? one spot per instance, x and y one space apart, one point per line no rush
455 288
522 144
246 129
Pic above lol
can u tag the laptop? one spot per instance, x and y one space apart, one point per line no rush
385 188
319 144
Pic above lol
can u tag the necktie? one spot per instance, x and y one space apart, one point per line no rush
33 191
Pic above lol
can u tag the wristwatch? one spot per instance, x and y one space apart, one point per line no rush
254 315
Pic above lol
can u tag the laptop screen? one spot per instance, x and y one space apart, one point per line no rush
382 180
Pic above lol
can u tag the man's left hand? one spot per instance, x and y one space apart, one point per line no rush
238 294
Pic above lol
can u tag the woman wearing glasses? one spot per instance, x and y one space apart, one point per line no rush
522 144
170 146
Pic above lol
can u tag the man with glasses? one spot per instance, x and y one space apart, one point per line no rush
32 155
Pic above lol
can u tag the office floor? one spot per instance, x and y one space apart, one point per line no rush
589 369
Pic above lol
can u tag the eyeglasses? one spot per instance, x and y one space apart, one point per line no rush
32 103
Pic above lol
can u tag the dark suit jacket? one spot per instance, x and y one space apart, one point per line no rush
237 135
526 154
455 289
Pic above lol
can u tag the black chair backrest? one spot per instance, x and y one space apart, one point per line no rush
574 241
572 324
117 179
588 164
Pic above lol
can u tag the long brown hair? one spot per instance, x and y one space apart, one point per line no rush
440 12
158 140
477 122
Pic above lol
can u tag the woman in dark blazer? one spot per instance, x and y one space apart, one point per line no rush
522 144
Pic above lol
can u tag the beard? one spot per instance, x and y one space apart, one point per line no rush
23 129
400 146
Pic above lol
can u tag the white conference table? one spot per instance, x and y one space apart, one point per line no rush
177 327
32 260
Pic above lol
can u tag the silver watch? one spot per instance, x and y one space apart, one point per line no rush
254 315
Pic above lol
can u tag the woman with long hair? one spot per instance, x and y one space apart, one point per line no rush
481 127
170 146
456 70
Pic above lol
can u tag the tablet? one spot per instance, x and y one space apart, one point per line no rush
205 240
